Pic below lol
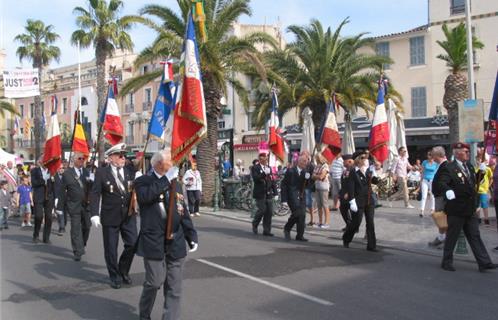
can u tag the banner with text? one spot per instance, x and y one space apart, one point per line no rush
21 83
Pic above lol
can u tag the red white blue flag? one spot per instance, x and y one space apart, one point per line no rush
275 140
378 144
330 139
112 126
53 149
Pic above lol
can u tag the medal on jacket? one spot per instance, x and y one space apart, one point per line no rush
460 175
111 187
162 209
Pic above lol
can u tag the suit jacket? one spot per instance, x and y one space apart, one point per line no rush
114 207
451 177
5 199
263 183
151 192
74 191
292 188
41 190
345 177
359 188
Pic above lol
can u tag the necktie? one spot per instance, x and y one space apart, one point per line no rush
465 170
120 177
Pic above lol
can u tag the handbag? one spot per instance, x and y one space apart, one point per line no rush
419 196
440 219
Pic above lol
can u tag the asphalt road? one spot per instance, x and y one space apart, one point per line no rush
237 275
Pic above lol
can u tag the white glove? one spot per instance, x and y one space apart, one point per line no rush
46 176
352 205
172 173
95 221
267 170
482 167
372 170
450 195
56 202
275 197
307 175
194 246
284 204
59 212
91 177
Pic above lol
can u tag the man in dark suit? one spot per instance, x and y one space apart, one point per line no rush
164 259
76 183
343 194
457 183
112 186
292 192
263 193
58 189
361 202
43 199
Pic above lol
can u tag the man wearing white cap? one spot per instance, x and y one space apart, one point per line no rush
112 186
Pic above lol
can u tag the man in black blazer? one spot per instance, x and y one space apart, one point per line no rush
358 189
76 183
343 194
456 181
112 186
43 199
163 259
292 192
263 193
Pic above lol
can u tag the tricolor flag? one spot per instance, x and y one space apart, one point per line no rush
79 139
190 123
163 106
493 111
53 149
275 140
330 139
15 130
379 134
111 120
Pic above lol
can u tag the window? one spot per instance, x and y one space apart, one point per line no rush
221 124
84 101
417 51
64 105
419 102
148 95
131 98
32 109
250 122
21 110
457 6
382 49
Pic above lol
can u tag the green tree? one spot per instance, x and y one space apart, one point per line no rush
456 87
101 26
6 106
223 57
36 46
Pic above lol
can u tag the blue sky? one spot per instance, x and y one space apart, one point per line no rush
376 17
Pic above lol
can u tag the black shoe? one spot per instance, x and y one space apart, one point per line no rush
373 249
301 239
77 258
333 209
268 234
345 244
287 235
495 249
448 267
490 266
254 230
378 206
343 229
486 221
126 279
115 284
47 242
435 243
36 240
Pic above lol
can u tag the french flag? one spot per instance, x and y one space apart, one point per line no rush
379 134
330 138
276 142
53 148
112 126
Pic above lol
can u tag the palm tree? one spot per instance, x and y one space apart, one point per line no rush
101 26
223 56
6 106
36 47
319 63
456 84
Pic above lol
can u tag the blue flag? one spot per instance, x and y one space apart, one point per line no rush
163 106
493 110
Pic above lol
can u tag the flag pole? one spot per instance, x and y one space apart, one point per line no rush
78 108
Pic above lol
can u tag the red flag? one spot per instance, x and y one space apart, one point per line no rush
112 126
53 149
189 124
379 134
330 138
275 140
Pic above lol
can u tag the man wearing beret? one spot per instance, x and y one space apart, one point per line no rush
112 185
358 190
457 183
263 193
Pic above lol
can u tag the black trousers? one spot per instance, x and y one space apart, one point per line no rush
265 212
80 230
470 226
352 228
128 231
344 209
194 200
298 218
43 210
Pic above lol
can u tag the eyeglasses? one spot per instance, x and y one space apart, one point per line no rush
81 158
363 157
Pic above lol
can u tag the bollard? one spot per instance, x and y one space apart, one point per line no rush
461 247
216 190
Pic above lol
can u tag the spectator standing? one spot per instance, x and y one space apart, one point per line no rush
482 193
193 181
5 198
336 170
429 168
238 170
495 195
43 197
399 171
25 201
322 185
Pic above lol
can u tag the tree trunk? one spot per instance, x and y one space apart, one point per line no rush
100 56
453 124
455 90
207 151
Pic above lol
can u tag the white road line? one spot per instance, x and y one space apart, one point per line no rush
267 283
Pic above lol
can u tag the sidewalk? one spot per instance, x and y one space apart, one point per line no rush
397 227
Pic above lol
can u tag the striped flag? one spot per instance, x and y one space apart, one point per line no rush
275 140
79 143
15 130
163 106
379 134
111 120
190 123
330 139
53 149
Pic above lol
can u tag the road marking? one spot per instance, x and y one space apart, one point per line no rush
267 283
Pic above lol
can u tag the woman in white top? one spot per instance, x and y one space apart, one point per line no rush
193 181
322 185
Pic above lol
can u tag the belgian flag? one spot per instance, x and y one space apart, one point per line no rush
79 139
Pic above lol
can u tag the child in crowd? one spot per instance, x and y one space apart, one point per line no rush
25 201
4 205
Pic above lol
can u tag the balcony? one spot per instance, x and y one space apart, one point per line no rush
458 9
129 108
147 105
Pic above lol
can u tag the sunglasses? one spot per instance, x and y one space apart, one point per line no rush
80 158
